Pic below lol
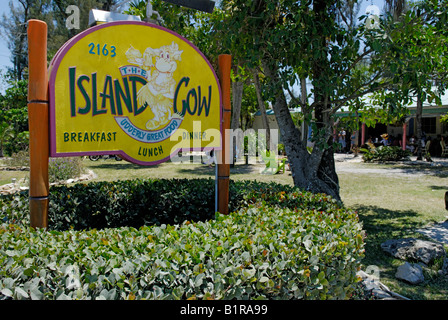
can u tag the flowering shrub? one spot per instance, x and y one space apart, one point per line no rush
385 153
60 169
19 159
277 243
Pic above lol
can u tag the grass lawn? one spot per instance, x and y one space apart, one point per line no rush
6 176
392 203
109 170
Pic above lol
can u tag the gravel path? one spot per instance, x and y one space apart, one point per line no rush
350 164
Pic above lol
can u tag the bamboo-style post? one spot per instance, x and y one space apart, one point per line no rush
38 123
223 157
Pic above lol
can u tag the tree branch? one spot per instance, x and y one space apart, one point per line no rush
346 72
343 17
62 11
354 95
293 97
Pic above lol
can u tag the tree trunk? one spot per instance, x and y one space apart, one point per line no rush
237 97
313 172
304 102
325 170
418 122
262 107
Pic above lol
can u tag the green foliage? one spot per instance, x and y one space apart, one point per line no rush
277 243
142 202
59 169
385 153
249 107
137 8
414 57
444 118
14 118
19 159
281 149
6 133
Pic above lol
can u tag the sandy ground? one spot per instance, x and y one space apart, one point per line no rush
351 164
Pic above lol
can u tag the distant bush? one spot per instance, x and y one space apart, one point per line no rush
18 159
61 169
277 243
385 153
142 202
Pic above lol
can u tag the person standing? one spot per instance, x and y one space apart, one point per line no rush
342 140
210 157
385 140
354 143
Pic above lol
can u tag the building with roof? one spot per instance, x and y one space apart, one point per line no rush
432 126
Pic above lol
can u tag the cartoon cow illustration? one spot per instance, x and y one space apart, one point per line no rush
158 92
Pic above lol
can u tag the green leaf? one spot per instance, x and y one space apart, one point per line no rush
199 280
249 273
36 294
21 293
263 279
7 292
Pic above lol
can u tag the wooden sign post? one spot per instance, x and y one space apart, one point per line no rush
38 123
223 157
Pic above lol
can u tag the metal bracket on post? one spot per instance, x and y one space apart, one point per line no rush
201 5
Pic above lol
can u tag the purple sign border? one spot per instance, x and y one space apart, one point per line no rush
54 66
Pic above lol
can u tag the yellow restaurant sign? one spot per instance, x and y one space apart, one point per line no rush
133 89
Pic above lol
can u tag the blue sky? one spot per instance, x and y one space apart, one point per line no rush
4 51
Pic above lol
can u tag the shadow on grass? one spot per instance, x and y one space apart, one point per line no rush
383 224
206 170
425 168
386 224
203 170
438 187
119 166
246 169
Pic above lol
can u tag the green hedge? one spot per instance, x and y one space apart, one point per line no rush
120 203
139 202
277 243
385 153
